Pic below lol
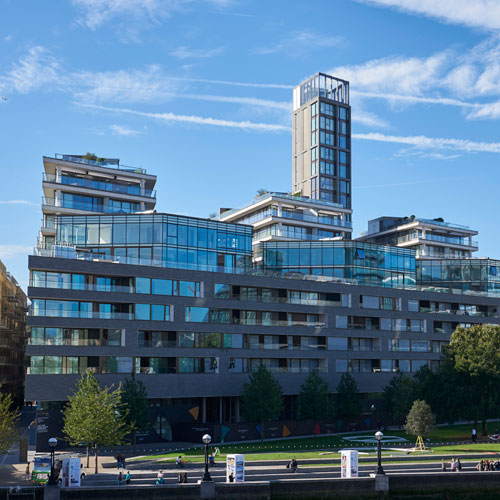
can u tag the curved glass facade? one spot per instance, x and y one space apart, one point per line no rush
169 240
365 263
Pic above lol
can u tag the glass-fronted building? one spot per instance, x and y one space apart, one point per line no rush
156 239
351 260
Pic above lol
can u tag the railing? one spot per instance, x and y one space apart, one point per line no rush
286 196
88 207
285 300
66 180
459 312
321 219
80 314
443 239
104 163
81 286
70 252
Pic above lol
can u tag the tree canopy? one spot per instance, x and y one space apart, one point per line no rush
314 398
95 416
398 396
420 420
135 400
261 398
8 420
348 399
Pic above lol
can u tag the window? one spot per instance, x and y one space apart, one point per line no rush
197 314
341 321
413 305
142 285
142 311
337 343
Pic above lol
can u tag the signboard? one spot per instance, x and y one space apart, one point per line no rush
41 470
235 469
70 472
348 463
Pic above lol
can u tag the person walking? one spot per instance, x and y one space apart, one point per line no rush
458 465
27 475
128 478
120 478
443 465
474 434
453 465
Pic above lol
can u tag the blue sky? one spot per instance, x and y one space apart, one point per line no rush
199 93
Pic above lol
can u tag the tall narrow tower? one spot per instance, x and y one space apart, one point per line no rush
321 135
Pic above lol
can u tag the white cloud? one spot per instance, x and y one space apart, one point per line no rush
301 41
368 118
36 69
184 52
12 251
490 111
124 85
172 117
123 130
19 202
433 143
98 12
483 14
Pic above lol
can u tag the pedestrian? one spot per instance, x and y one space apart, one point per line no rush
181 477
443 465
119 463
231 478
185 477
160 478
179 462
453 465
479 466
474 434
293 465
211 460
120 478
123 460
27 475
458 464
128 478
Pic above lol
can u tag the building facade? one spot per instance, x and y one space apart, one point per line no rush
13 339
190 306
430 238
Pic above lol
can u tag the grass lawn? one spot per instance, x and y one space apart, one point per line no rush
317 447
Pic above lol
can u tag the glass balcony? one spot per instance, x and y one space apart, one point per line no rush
88 206
111 187
104 163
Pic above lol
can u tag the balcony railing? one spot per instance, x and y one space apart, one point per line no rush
443 239
458 312
81 314
81 286
111 187
88 207
103 163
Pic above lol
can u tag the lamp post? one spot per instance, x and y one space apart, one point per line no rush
52 480
206 439
379 435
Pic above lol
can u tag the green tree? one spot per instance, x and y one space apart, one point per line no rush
314 398
398 396
474 354
348 400
135 400
95 416
8 420
420 420
262 191
261 398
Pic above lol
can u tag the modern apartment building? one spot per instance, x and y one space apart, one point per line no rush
13 308
321 140
190 306
82 184
430 238
287 217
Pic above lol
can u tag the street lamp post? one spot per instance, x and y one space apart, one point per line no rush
379 437
52 479
206 439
